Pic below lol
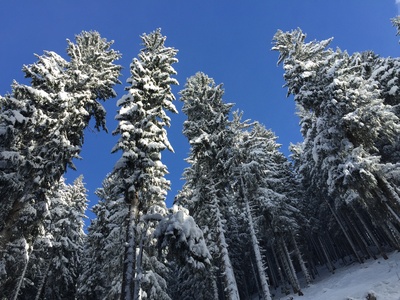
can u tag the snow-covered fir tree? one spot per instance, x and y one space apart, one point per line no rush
265 192
134 236
247 232
207 129
141 174
102 261
42 127
349 121
55 261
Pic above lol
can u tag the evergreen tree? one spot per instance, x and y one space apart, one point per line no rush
207 129
142 118
265 191
130 240
54 265
245 177
42 127
348 121
102 261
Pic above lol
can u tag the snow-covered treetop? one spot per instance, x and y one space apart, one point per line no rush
300 60
92 66
44 122
207 114
143 116
396 23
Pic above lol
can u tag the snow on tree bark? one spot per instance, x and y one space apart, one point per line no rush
259 261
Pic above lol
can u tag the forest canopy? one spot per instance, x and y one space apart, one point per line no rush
247 221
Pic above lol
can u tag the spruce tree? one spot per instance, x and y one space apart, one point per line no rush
348 119
142 136
54 264
102 260
42 126
207 129
265 192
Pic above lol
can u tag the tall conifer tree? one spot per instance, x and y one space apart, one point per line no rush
207 129
41 128
140 173
347 122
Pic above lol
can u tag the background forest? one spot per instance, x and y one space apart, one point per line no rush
247 221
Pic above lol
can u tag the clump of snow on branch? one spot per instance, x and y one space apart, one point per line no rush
180 233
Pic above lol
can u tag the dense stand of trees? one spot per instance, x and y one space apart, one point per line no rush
247 221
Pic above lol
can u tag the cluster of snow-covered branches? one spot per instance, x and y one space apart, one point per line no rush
246 222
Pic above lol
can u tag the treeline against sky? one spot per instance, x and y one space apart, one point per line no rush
247 221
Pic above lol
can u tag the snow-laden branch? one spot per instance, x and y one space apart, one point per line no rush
179 233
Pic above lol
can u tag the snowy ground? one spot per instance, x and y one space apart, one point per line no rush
380 278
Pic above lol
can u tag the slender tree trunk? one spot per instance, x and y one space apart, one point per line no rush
333 249
272 271
392 233
290 271
139 264
393 213
130 251
301 261
360 236
256 248
318 249
390 191
28 250
257 252
331 268
278 266
229 276
370 234
10 237
314 255
354 230
345 233
255 278
43 279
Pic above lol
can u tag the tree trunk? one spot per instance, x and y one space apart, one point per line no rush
9 237
317 249
390 191
331 268
256 248
335 256
289 268
345 233
301 261
370 234
393 213
360 237
229 276
28 251
392 233
130 250
139 264
255 278
257 252
43 279
278 266
272 271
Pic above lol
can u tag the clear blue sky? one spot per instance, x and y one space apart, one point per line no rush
229 40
